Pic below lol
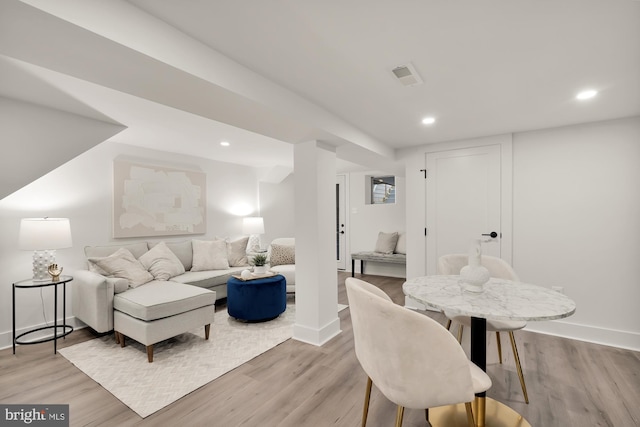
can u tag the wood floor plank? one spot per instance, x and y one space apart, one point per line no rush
570 384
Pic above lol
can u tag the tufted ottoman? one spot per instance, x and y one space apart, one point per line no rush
257 300
159 310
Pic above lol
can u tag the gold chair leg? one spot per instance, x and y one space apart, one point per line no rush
460 329
499 346
448 324
367 398
399 416
519 367
470 421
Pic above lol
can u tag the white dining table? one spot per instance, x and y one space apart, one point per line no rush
500 299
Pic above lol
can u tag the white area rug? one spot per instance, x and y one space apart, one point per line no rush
181 364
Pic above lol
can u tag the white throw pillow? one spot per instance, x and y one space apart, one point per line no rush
401 246
209 255
124 265
237 252
282 255
386 242
161 262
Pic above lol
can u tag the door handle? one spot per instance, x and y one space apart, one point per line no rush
342 232
493 234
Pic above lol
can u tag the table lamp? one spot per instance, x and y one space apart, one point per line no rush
44 236
254 227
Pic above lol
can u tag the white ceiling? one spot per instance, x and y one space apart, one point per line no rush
489 67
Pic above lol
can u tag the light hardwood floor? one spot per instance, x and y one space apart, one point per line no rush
570 383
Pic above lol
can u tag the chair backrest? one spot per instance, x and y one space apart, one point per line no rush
498 268
412 359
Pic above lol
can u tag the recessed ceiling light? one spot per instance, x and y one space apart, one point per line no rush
586 94
428 120
225 144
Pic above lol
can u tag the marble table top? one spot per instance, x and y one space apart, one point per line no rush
500 300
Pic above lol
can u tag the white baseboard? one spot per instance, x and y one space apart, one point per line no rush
611 337
316 337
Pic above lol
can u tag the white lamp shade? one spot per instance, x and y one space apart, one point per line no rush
252 225
45 233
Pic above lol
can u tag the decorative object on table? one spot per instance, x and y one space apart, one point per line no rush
474 275
54 272
254 227
245 275
259 263
44 236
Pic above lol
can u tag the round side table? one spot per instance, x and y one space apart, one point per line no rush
66 329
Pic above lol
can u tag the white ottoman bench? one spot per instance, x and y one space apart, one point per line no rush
159 310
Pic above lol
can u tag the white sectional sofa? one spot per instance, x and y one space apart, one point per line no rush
281 259
94 292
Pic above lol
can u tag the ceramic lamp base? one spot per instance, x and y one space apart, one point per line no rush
41 262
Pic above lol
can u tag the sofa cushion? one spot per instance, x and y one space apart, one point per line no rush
289 273
209 255
282 255
161 262
137 249
401 245
183 250
386 242
122 264
207 279
237 252
159 299
94 253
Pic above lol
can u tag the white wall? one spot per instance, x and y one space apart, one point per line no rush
277 203
366 221
576 223
81 190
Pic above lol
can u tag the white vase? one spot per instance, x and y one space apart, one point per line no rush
260 269
474 275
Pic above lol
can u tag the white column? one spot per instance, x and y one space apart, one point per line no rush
317 318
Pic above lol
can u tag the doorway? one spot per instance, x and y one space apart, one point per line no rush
463 202
341 229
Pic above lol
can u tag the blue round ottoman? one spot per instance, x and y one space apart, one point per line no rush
257 300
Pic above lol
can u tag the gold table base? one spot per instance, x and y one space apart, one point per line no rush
496 415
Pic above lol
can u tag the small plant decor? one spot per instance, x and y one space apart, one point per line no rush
259 260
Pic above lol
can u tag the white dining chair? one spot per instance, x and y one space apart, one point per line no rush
411 358
498 268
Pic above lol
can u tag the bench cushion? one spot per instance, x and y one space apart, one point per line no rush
158 299
378 257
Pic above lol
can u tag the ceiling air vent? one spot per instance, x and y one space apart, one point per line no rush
407 75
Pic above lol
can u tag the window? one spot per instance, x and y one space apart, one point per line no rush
383 190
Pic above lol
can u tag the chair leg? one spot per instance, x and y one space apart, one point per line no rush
519 367
499 346
367 398
399 416
448 324
150 353
207 328
470 421
460 329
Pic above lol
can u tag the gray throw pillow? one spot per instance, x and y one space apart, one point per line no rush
386 243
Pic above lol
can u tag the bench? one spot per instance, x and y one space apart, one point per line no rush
375 257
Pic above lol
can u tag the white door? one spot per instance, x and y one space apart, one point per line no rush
341 230
462 202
